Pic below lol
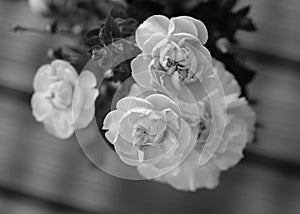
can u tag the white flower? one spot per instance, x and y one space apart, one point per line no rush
173 56
61 104
193 172
149 132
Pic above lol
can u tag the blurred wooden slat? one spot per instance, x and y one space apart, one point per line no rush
11 203
278 25
32 161
22 53
276 89
37 164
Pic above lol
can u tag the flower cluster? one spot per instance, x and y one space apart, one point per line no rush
183 121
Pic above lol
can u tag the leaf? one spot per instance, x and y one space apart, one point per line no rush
93 32
127 26
109 31
104 37
91 41
118 11
243 12
228 5
112 27
247 24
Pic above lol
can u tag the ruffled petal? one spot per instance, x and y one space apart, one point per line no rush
85 117
197 46
43 78
150 43
65 71
59 125
128 120
153 25
111 123
125 147
234 150
90 96
41 107
202 33
129 157
140 70
186 139
228 81
182 24
138 91
161 102
87 79
189 176
128 103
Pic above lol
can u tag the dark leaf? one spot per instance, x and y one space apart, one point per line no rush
247 24
92 41
228 5
93 32
242 12
104 37
118 11
97 47
112 28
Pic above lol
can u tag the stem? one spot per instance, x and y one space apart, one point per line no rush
46 30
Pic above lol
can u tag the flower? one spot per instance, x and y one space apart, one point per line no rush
63 100
202 167
149 132
173 57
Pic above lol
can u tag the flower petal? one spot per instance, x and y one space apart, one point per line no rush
197 46
150 43
125 146
128 103
153 25
140 70
85 117
234 151
228 81
128 120
90 96
129 157
40 106
182 24
202 33
65 71
43 78
190 176
111 123
161 102
59 125
87 79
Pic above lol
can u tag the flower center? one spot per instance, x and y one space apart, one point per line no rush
204 128
177 60
60 94
143 137
149 131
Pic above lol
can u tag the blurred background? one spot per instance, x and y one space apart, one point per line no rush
40 174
